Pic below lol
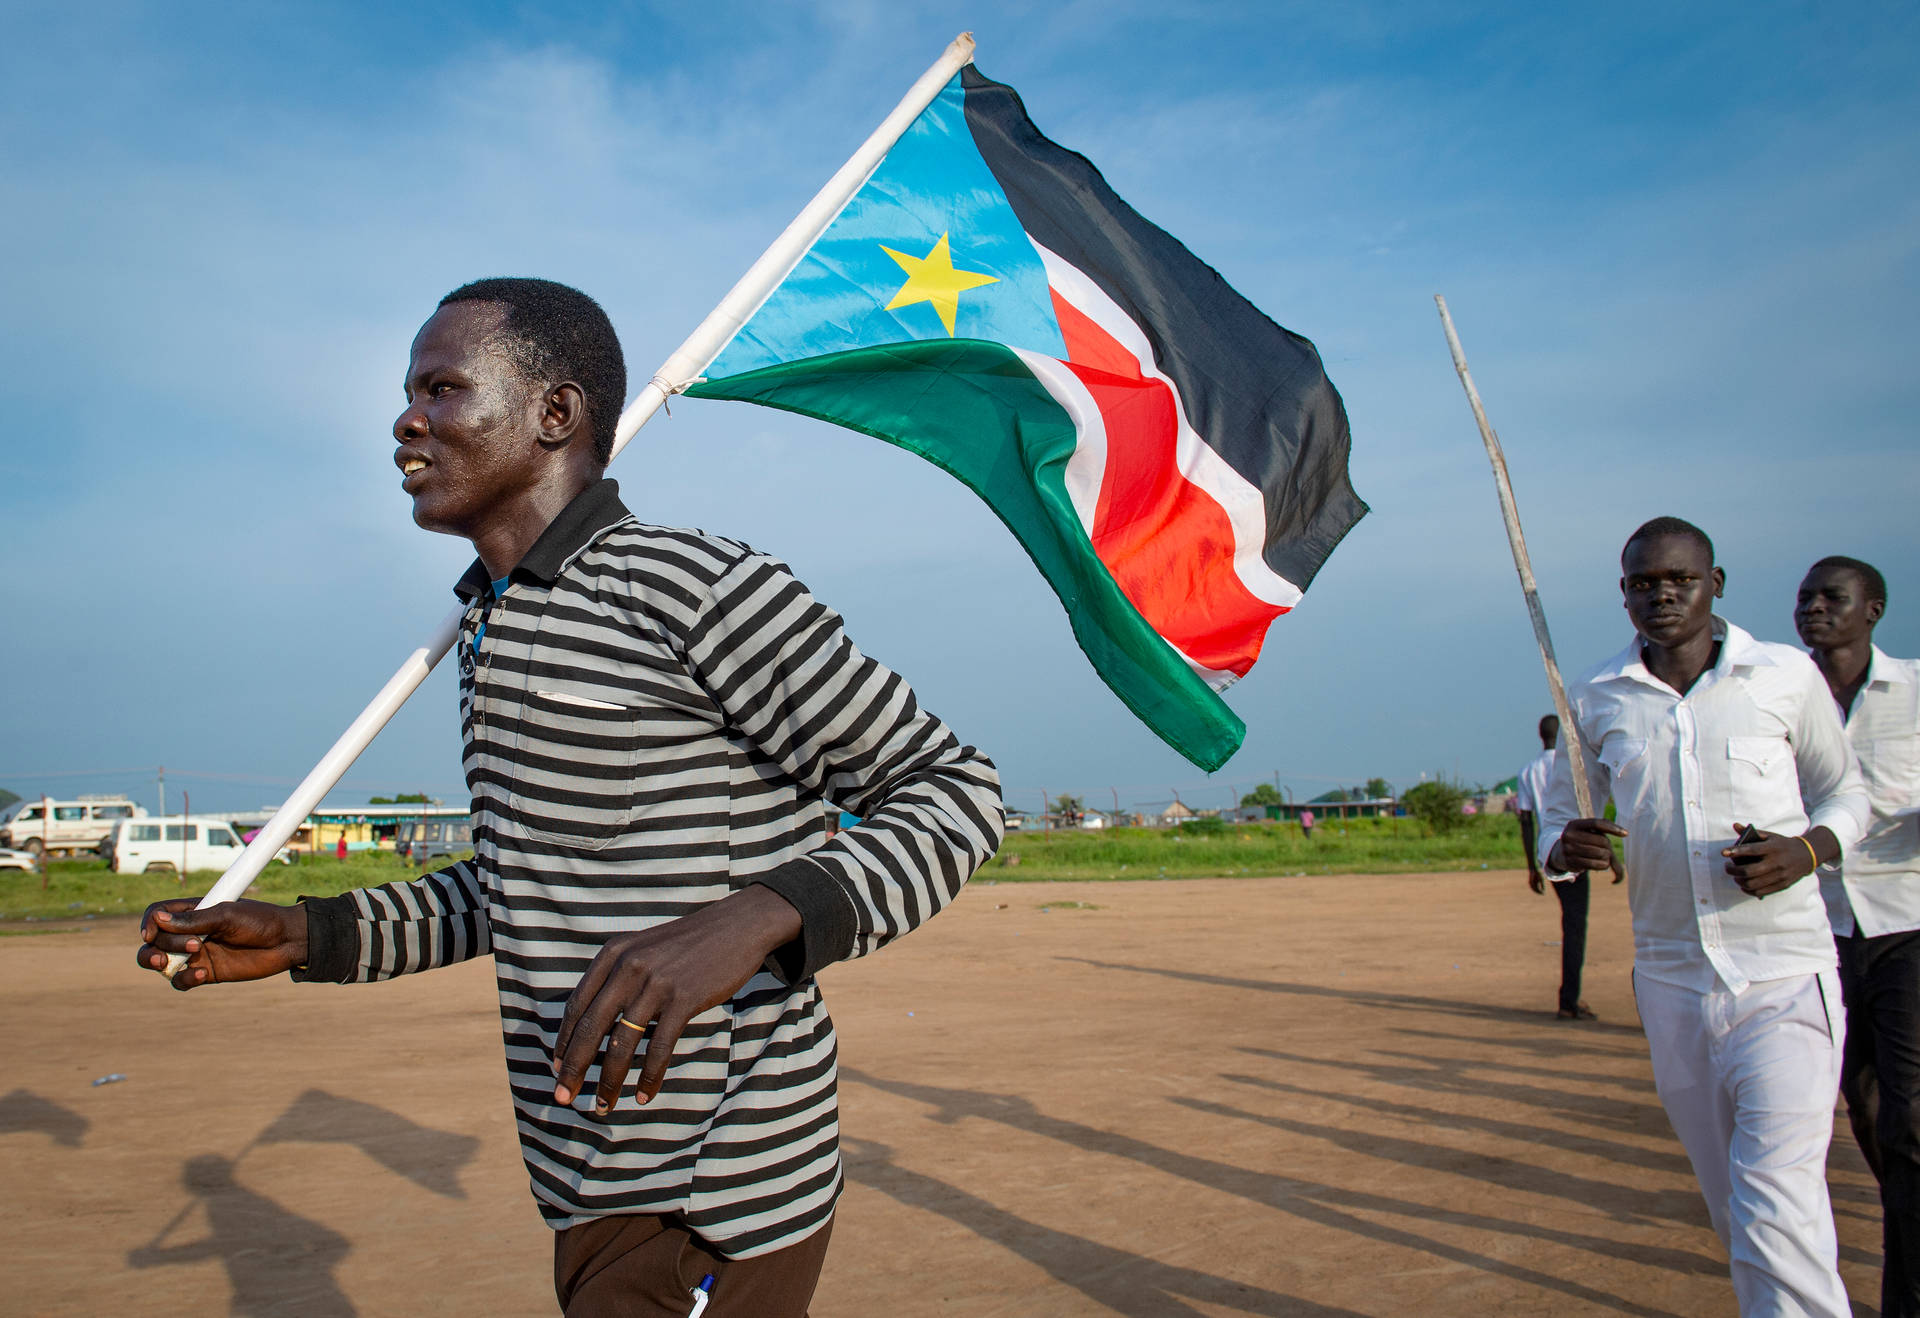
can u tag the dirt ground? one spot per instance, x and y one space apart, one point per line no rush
1311 1096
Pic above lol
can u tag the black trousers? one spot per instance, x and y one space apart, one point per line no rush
1574 895
1880 1077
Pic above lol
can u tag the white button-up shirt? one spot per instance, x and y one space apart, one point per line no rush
1530 791
1877 890
1757 740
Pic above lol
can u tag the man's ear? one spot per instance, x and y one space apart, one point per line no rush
1719 583
563 415
1876 610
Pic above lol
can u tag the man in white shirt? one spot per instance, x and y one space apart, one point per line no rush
1573 894
1701 732
1873 901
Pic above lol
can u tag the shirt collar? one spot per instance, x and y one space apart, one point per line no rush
1738 649
1883 670
592 511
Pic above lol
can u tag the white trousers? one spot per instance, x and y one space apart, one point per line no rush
1748 1081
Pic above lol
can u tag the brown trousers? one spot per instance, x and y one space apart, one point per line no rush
647 1267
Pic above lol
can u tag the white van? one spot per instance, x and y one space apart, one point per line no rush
78 825
174 844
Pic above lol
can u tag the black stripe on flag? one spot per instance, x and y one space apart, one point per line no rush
1254 391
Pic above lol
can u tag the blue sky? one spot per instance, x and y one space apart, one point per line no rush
1682 244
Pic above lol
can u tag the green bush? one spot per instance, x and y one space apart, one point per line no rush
1437 805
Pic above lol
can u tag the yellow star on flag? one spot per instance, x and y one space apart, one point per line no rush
932 278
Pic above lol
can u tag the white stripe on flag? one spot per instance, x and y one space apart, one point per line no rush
1240 498
1088 466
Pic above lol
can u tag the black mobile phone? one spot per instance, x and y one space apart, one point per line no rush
1750 834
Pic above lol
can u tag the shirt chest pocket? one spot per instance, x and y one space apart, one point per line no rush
1891 766
1763 780
574 778
1625 759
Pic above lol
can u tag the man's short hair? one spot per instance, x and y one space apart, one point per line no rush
1661 527
1550 729
1870 578
557 333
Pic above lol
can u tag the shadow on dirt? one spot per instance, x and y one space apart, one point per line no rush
1484 1011
1455 1075
1593 1146
430 1158
1326 1205
25 1112
1126 1283
278 1262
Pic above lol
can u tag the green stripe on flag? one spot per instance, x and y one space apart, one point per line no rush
974 410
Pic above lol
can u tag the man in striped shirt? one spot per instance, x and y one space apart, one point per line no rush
652 719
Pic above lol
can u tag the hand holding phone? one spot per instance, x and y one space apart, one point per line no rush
1762 870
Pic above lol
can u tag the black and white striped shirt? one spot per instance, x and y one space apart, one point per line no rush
652 720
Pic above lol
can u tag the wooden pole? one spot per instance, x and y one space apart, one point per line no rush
1582 790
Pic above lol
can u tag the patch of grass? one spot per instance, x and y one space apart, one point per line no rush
77 889
1355 846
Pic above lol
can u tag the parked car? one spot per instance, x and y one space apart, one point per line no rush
77 825
423 840
167 844
17 860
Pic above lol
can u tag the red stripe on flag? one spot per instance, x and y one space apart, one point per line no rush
1167 542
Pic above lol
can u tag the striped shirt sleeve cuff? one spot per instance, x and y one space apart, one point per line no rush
826 919
333 941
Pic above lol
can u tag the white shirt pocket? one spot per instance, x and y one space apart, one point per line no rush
1891 766
1763 782
1625 759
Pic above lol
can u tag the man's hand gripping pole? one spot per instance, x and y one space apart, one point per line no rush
359 735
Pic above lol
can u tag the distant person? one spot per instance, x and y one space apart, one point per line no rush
340 847
1306 824
1873 901
1700 731
1573 894
652 722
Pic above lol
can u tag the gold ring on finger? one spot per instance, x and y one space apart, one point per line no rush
631 1025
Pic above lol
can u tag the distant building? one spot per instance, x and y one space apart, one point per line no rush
365 827
1379 807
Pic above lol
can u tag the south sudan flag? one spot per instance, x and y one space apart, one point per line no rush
1174 462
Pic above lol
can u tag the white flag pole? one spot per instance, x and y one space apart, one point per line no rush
681 369
764 275
1510 511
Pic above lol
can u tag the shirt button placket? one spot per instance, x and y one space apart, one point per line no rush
1695 825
